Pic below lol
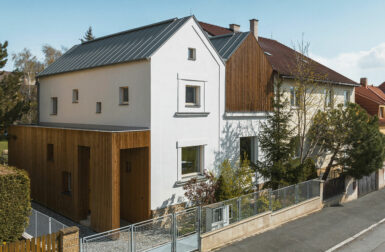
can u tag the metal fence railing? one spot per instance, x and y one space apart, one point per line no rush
41 224
181 231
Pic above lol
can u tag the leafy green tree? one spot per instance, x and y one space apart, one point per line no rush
352 139
3 54
88 36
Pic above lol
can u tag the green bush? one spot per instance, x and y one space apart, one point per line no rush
15 203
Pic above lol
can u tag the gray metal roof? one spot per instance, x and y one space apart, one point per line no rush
87 127
136 44
227 44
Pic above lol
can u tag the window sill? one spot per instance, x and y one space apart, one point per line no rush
191 114
123 104
75 102
192 106
186 179
52 114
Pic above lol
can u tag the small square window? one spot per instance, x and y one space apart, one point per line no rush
75 95
191 160
192 95
49 152
67 180
123 95
192 54
98 107
53 105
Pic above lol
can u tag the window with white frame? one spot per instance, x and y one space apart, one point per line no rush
294 97
346 97
381 112
192 95
249 149
192 54
98 107
123 95
53 105
328 98
192 160
75 95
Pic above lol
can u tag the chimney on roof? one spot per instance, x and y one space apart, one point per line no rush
364 82
235 27
254 27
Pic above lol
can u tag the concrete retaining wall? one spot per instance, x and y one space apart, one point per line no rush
257 224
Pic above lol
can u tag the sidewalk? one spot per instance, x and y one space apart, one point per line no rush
319 231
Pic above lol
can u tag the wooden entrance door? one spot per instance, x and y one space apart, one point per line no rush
134 184
84 181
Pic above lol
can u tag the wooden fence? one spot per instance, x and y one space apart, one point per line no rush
46 243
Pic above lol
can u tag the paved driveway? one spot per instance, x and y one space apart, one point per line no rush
319 231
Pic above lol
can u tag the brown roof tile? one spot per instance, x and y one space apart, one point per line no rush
282 58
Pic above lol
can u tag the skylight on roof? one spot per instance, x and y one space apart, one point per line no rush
269 54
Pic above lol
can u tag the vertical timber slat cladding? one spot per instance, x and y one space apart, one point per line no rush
249 79
28 151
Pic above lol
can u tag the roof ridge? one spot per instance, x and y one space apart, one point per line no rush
375 92
367 97
135 29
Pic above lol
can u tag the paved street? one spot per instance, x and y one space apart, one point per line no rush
324 229
373 240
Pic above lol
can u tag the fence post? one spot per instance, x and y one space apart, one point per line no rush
270 203
307 190
239 208
35 223
49 225
174 233
132 238
296 194
284 198
199 227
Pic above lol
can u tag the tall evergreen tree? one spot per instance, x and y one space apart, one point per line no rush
88 36
3 54
276 140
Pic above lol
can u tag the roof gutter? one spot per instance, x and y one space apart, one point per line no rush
324 81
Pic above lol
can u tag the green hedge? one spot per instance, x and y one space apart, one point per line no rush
15 203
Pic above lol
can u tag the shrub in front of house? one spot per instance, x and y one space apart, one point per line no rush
15 203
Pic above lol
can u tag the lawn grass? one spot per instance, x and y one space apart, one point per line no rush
3 145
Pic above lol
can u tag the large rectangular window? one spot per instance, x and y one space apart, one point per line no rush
53 105
249 149
123 95
192 95
191 160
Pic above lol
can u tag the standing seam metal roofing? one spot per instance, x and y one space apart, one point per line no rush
135 44
227 44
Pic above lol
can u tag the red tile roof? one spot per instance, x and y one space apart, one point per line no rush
282 58
370 98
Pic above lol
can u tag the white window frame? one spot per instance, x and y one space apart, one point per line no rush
75 95
293 97
202 142
54 105
192 51
381 111
200 162
121 95
197 94
346 97
98 107
328 95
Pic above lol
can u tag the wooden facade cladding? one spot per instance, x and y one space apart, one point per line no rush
28 151
249 79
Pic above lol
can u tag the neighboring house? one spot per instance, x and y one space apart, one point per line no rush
372 99
269 60
127 119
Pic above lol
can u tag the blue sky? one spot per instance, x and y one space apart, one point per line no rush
345 35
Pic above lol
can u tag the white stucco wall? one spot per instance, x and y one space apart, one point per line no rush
99 85
170 72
